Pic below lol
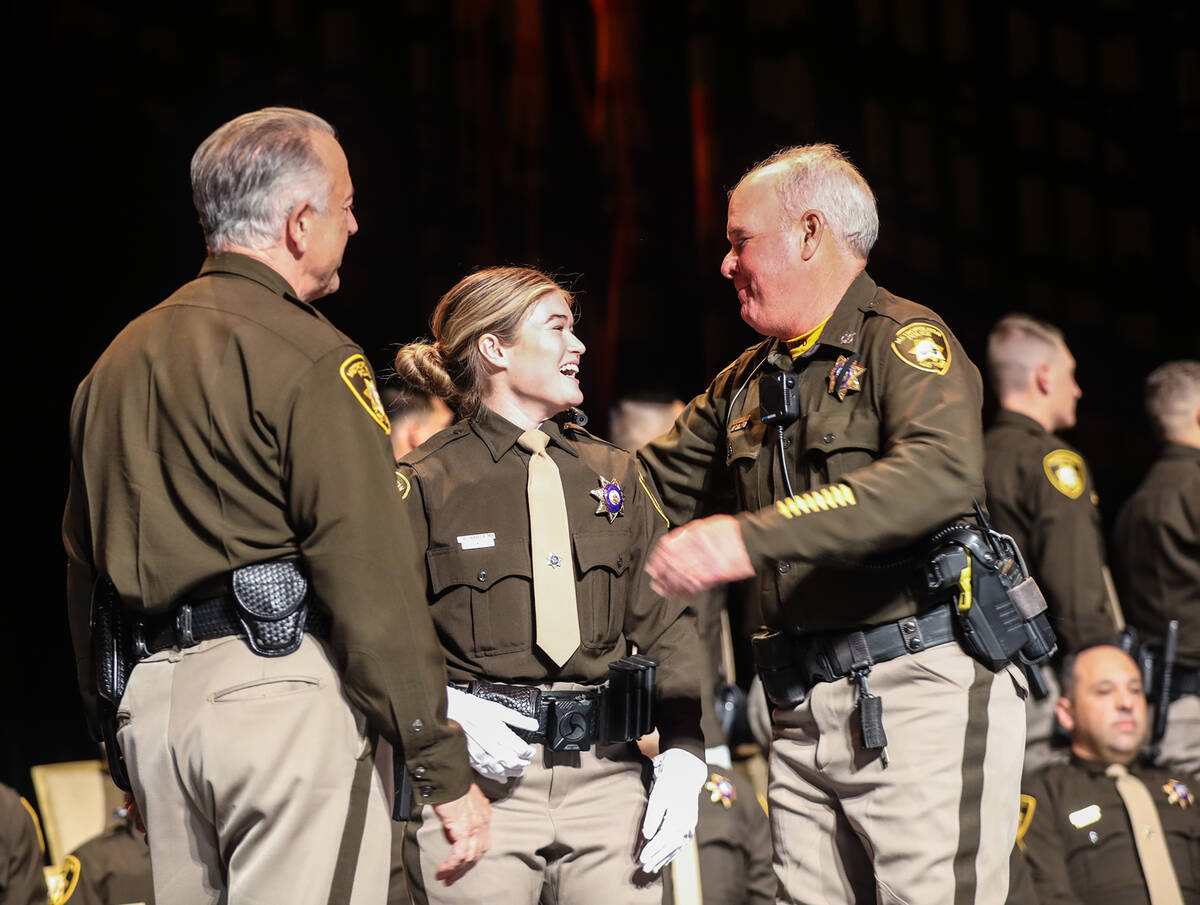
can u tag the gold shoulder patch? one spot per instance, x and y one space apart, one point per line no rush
923 346
357 374
37 824
1028 806
1066 472
62 886
403 485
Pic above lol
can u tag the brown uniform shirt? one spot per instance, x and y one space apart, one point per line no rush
1079 845
1039 491
233 424
465 499
21 879
1157 559
879 459
111 869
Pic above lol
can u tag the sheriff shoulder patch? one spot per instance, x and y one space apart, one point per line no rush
357 374
62 887
923 346
1066 472
403 485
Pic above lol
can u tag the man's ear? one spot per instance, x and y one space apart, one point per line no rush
298 227
1065 713
493 351
1041 378
812 227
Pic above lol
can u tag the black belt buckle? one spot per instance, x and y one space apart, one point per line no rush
568 719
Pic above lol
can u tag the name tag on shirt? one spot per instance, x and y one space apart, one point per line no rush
477 541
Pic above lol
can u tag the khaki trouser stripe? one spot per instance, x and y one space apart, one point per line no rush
970 802
352 833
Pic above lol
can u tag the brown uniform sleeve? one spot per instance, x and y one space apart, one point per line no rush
21 879
1045 853
929 469
81 576
347 513
1069 545
687 464
666 631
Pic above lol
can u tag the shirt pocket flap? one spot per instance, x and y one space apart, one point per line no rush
828 433
609 549
482 568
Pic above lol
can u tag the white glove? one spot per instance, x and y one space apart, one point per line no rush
496 752
673 807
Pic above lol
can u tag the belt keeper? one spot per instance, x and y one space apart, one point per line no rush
140 650
910 633
183 626
861 661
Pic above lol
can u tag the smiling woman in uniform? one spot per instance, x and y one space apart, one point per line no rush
534 534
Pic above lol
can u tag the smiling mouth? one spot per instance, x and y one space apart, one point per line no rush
570 371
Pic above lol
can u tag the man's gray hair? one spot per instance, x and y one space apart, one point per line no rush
250 173
1018 344
820 177
1172 398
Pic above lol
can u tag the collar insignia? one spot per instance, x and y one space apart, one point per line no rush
721 790
1178 793
610 499
843 376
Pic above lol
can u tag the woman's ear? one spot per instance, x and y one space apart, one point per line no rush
493 351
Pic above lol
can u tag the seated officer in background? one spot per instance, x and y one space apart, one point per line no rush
851 432
111 869
1157 557
233 511
1100 830
1039 491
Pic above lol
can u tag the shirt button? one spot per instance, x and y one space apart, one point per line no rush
482 576
426 791
419 771
417 725
829 438
729 450
784 568
787 441
620 561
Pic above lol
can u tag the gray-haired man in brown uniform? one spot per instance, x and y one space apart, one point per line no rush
233 426
882 449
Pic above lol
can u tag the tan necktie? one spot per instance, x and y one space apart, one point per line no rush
555 613
1161 882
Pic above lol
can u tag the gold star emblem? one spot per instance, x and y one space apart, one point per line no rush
844 376
611 501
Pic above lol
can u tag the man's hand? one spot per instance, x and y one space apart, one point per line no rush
134 813
466 822
673 807
707 552
496 752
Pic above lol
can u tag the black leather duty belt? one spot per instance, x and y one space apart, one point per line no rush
192 622
568 720
828 657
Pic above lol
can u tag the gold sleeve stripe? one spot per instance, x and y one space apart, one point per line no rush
835 496
37 824
653 501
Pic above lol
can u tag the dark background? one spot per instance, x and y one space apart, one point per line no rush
1026 155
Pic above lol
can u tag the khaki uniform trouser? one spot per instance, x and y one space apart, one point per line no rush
1040 724
250 771
571 822
1180 746
936 827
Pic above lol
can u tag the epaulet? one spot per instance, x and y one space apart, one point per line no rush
748 356
900 310
578 432
436 442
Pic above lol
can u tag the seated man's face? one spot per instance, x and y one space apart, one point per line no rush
1106 713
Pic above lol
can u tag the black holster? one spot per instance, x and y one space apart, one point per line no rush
112 660
1001 611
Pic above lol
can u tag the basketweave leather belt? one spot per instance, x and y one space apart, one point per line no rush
195 621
